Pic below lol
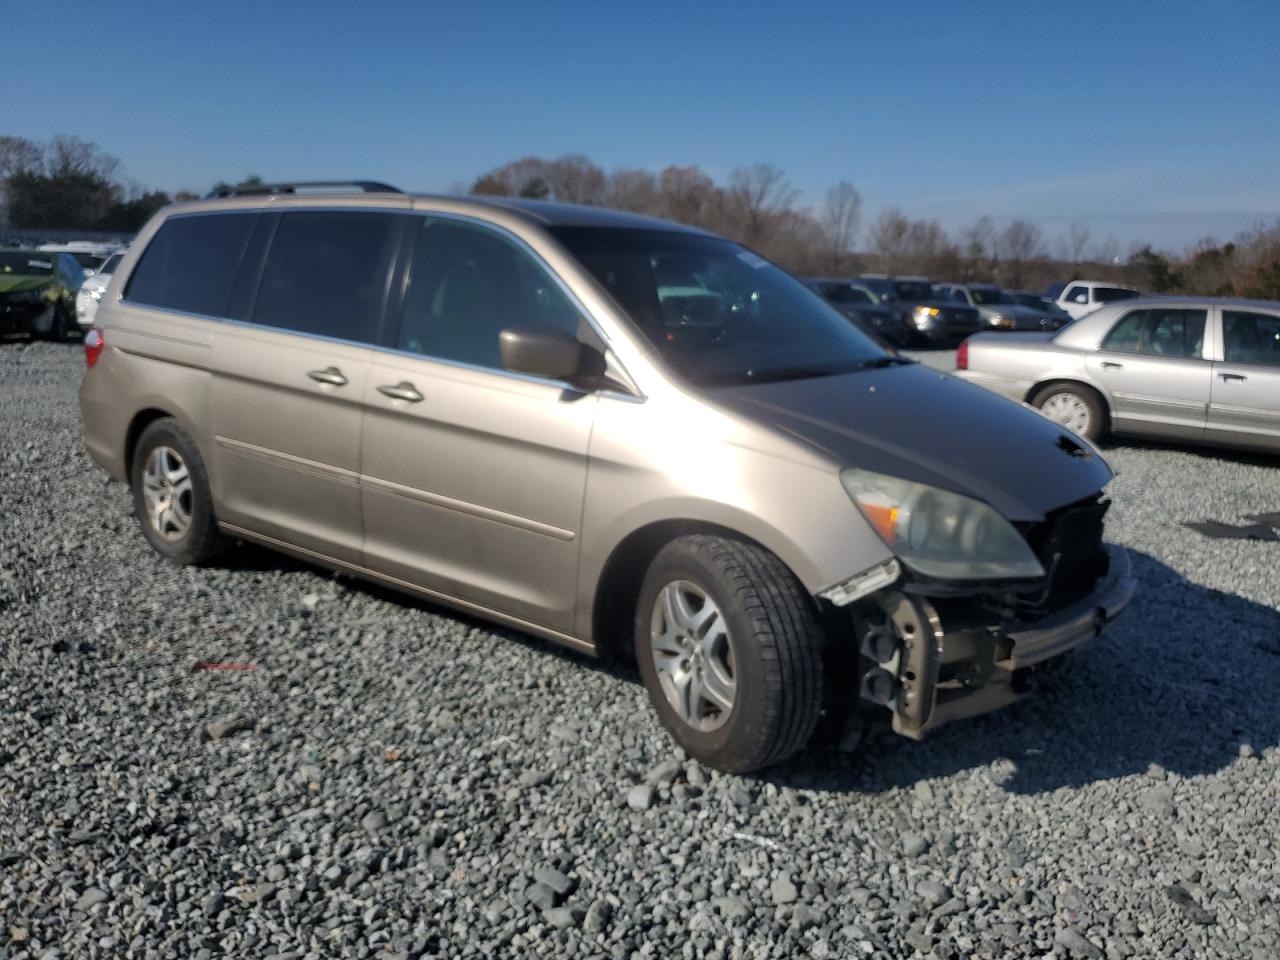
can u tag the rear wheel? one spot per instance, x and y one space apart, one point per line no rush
171 495
1076 408
730 649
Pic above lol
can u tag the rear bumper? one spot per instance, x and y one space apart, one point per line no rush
1005 386
966 668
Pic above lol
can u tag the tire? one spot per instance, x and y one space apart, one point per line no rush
763 633
167 469
1075 408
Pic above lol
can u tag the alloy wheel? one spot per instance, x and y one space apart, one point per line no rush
689 640
167 492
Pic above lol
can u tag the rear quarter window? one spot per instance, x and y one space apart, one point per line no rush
191 262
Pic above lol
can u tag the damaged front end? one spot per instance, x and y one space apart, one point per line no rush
932 651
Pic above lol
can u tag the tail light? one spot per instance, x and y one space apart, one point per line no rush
962 355
93 344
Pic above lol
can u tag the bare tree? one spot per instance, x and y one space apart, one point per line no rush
18 155
1075 244
575 179
889 239
684 194
1019 244
634 190
840 218
754 193
978 249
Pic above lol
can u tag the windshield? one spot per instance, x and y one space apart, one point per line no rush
987 296
916 290
1107 294
845 293
27 262
718 313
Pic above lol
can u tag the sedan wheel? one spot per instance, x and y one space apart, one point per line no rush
1078 409
692 655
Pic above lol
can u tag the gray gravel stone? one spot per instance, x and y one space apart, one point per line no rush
1120 777
1077 945
640 797
782 890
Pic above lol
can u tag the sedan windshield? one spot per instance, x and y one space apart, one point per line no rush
987 296
27 262
718 313
845 293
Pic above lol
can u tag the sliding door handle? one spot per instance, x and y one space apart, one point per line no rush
1112 365
1233 376
330 375
404 390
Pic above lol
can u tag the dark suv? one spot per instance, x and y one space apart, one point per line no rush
886 323
931 319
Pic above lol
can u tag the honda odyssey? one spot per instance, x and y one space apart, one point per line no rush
607 430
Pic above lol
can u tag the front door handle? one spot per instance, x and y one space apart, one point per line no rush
1233 376
330 375
1112 365
404 390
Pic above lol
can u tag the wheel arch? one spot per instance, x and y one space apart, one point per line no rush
618 586
141 420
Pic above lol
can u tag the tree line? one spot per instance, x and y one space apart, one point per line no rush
71 184
757 206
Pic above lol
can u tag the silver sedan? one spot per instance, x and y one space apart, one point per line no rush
1201 370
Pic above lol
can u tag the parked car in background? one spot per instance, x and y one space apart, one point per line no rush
90 254
933 320
1202 370
38 293
998 310
91 291
483 401
889 324
1037 301
1081 297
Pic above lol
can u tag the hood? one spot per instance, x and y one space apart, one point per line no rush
922 425
19 282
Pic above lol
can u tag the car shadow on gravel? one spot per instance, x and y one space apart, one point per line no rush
1184 680
1181 680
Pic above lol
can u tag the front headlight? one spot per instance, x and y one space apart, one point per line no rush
1002 322
926 316
938 533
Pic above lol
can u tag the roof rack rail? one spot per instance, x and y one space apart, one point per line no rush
307 186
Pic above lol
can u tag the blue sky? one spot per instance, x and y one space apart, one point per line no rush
1157 121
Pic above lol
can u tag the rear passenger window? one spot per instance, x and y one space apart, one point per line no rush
467 284
1159 333
1112 294
191 262
1251 337
326 273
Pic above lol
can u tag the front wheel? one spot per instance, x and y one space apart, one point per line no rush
730 649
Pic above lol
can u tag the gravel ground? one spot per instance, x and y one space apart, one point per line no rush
393 780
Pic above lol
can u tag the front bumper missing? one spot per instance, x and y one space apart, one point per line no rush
941 671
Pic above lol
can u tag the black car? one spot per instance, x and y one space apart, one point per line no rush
930 319
38 293
879 321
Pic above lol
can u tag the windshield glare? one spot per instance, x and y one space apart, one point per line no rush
911 290
718 313
28 262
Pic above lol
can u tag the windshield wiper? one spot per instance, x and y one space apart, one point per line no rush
877 363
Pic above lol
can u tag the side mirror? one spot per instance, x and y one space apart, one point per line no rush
545 352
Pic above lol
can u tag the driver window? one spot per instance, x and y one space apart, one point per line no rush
467 284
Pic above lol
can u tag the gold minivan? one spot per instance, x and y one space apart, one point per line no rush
607 430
